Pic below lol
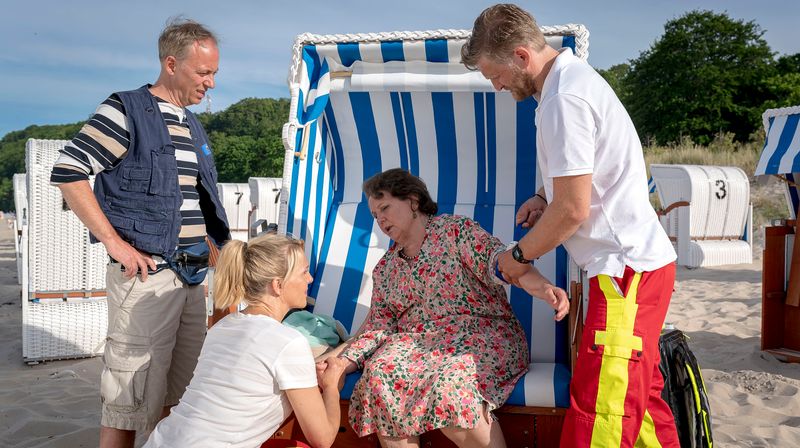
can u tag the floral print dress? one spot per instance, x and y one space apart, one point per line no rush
441 340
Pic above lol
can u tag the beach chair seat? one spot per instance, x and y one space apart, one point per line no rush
235 199
64 313
362 104
265 202
706 212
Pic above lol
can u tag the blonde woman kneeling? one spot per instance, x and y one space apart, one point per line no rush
253 371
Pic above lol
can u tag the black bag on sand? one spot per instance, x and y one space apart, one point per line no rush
684 390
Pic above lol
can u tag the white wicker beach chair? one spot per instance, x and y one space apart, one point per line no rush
236 200
708 213
361 104
20 218
63 288
265 193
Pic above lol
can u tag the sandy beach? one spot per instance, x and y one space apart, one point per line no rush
754 397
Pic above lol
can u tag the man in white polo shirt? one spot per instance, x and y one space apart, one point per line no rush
594 202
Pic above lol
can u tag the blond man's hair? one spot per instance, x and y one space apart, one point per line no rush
497 31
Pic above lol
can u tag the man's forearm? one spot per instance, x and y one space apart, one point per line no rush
81 200
553 228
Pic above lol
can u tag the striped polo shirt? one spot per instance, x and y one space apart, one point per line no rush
104 141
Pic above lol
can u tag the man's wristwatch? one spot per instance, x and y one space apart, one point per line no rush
519 257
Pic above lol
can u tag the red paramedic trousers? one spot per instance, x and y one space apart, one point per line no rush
615 393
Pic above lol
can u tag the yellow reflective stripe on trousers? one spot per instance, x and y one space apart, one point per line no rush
647 435
612 384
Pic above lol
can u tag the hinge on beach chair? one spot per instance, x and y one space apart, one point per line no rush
788 182
289 133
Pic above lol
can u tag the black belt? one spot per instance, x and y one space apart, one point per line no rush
180 258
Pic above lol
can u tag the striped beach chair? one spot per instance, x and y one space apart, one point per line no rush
781 154
361 104
780 300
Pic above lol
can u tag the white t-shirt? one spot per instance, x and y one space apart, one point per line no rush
235 398
583 128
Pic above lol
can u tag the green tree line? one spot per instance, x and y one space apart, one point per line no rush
706 75
245 137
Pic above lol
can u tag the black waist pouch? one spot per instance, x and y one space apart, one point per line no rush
190 263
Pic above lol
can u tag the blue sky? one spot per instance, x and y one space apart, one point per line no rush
59 59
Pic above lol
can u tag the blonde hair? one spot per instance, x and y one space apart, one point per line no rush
179 34
498 31
245 271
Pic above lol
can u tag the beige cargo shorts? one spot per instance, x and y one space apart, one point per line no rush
155 332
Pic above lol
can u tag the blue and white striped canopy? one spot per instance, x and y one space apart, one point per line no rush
781 153
363 104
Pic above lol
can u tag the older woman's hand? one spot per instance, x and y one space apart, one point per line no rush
557 298
554 296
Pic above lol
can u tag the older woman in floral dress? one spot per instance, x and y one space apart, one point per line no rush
441 347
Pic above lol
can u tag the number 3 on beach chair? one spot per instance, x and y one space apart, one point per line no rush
706 212
362 104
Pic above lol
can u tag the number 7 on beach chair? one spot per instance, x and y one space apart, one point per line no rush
362 104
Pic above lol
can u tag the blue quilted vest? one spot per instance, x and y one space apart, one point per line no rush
141 196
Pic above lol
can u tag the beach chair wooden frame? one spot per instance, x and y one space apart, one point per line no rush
780 318
364 103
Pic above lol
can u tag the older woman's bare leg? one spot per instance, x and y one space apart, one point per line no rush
397 442
486 434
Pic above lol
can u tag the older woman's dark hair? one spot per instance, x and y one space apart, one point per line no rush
402 185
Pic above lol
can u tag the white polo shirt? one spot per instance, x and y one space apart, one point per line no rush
582 128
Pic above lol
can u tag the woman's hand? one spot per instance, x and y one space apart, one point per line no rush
552 295
557 298
331 372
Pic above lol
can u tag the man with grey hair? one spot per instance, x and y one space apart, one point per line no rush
154 204
595 201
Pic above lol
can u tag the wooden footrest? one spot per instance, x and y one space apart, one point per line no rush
522 427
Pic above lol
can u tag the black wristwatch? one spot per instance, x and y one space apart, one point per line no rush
519 257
